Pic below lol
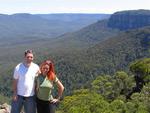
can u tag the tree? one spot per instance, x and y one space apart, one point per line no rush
141 69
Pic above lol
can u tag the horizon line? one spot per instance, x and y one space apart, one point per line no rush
33 13
53 13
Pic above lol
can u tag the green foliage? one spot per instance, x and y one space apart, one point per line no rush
4 99
117 106
104 86
112 87
141 68
97 98
121 75
142 100
94 101
123 82
130 107
84 101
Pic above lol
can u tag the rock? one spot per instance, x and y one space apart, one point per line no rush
5 108
3 111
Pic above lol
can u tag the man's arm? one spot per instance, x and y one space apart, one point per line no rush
15 81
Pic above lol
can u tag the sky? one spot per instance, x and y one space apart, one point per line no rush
70 6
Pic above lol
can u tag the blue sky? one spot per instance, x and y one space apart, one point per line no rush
70 6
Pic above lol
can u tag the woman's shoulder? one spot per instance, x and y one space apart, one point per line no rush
56 79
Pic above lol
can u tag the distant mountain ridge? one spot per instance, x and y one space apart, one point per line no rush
69 17
25 26
104 29
86 37
132 19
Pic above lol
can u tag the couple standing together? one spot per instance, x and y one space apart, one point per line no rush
29 80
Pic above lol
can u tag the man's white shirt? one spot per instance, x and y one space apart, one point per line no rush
26 77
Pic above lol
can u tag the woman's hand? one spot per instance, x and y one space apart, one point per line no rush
54 100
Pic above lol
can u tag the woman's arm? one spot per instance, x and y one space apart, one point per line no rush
60 91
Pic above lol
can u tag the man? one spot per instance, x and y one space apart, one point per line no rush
24 85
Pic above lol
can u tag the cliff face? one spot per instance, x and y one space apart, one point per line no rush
129 19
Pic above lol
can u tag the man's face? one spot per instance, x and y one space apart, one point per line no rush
29 57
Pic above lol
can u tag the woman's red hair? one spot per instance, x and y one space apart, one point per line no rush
51 73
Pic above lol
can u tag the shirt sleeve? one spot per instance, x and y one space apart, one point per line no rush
56 79
16 75
38 71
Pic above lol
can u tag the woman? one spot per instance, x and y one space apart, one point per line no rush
45 101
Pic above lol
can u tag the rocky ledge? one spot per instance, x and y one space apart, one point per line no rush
5 108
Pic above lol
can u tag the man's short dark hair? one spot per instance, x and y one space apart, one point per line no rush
28 51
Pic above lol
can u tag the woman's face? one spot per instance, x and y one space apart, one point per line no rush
45 69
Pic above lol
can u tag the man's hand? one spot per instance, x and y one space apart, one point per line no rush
15 97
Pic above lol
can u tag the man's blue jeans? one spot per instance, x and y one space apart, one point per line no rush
27 102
